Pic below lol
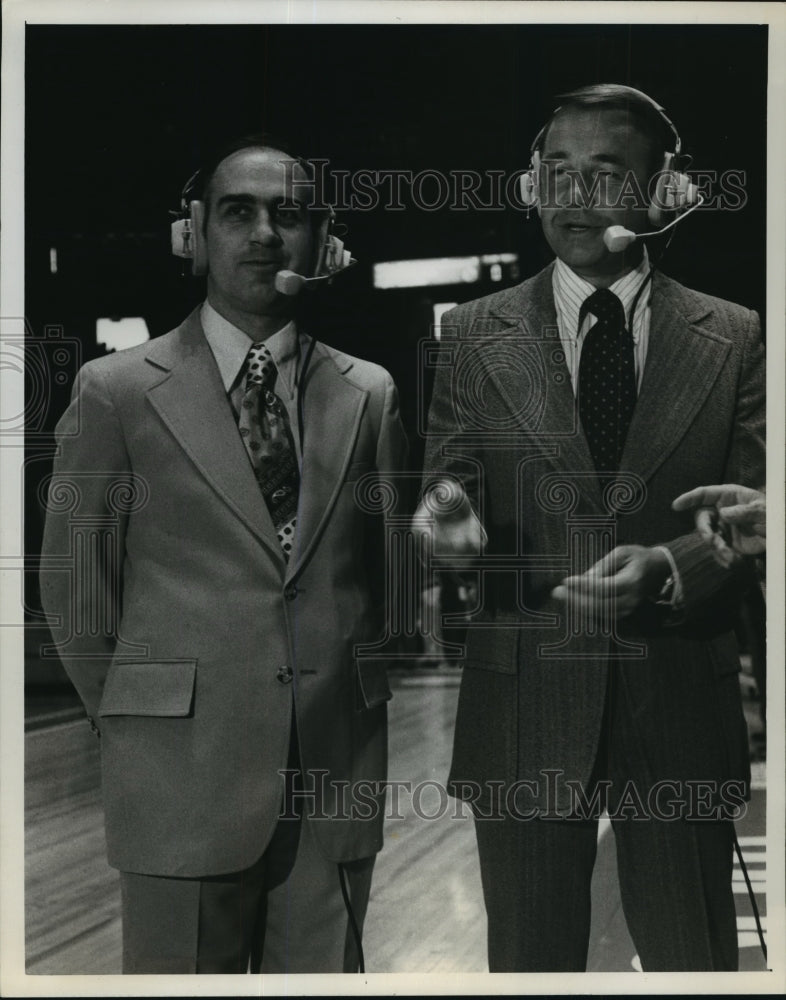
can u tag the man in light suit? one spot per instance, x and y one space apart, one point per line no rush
210 625
600 667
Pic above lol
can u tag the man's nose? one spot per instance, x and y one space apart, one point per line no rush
263 230
583 189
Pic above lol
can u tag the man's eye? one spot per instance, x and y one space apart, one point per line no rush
288 215
238 211
559 174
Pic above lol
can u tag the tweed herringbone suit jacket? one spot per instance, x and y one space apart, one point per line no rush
503 420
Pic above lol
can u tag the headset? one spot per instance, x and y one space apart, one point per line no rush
674 191
187 234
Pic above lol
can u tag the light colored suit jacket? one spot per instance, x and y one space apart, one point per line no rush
503 420
187 634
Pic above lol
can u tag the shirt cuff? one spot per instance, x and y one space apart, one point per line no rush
671 592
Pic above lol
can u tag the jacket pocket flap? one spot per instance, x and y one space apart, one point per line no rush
164 688
373 682
493 648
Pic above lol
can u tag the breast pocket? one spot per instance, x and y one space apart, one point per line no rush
160 688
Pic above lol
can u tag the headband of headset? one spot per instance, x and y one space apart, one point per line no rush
616 94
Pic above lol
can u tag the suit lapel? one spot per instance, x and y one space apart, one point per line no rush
192 402
683 362
684 359
537 385
332 411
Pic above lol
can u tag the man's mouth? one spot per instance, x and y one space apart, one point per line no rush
263 264
579 227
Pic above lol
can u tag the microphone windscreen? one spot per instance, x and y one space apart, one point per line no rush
289 283
617 238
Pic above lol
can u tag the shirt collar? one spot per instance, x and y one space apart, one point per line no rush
230 346
570 291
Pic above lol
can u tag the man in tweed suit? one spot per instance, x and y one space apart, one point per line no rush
601 668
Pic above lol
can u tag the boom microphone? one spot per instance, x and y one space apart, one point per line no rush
337 259
289 283
618 238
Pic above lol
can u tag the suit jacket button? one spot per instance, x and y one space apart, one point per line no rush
284 675
290 591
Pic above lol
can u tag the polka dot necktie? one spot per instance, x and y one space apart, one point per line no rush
264 428
607 380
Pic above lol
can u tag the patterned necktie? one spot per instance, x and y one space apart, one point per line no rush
265 431
607 380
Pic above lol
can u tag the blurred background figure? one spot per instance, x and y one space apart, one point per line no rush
732 517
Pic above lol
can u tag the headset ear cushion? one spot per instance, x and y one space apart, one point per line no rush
687 192
323 238
674 192
662 200
334 255
529 181
199 259
528 188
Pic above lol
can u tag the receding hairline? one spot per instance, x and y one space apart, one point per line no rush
284 158
199 186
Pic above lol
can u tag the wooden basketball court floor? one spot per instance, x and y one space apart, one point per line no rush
426 911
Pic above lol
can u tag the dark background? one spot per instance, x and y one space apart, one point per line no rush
117 118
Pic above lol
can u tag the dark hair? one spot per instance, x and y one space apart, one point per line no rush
649 114
197 187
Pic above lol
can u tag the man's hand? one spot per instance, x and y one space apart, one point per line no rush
616 585
446 516
732 518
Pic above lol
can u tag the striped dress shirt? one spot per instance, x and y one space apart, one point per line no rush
570 291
